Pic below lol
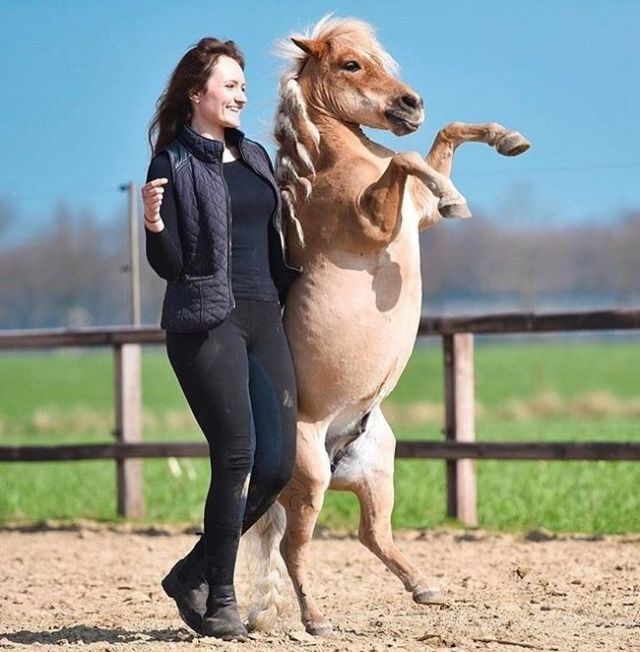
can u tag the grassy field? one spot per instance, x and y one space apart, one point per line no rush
542 390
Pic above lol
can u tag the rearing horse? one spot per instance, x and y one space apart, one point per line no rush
355 209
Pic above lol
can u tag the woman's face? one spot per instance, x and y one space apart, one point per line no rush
223 98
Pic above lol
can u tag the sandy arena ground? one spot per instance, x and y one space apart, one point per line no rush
97 588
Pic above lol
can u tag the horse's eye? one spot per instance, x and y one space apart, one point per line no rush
351 66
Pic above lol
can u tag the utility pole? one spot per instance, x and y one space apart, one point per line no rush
134 252
128 386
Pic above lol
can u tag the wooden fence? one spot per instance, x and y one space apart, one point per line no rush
459 447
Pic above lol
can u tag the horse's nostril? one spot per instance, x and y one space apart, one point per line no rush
411 101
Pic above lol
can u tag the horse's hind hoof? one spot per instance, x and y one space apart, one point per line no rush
451 208
323 629
428 596
512 144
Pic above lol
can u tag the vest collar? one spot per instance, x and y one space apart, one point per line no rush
207 149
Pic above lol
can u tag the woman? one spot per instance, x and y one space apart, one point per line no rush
213 231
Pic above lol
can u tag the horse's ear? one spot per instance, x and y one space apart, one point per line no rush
307 45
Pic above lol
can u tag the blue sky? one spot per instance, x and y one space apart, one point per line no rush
81 78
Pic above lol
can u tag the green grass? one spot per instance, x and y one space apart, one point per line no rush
43 399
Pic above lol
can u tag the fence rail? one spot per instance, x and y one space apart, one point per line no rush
626 451
459 448
525 322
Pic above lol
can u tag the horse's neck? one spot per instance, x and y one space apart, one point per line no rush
339 140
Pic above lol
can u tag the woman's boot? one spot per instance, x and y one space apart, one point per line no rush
186 584
222 619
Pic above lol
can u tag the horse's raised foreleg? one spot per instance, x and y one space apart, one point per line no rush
440 157
367 470
302 499
380 204
506 141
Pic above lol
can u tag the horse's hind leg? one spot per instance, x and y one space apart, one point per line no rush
506 141
367 470
302 499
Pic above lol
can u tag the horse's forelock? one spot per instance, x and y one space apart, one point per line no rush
353 31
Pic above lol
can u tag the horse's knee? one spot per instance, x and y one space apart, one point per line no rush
300 501
311 478
451 131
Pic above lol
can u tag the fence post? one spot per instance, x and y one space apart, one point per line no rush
460 425
128 395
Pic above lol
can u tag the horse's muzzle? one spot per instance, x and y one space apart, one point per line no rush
402 122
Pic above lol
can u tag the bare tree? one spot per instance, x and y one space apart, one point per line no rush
70 272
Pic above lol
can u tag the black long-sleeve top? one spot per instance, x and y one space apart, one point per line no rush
252 204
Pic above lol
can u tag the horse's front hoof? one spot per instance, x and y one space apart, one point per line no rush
322 628
454 207
428 596
512 144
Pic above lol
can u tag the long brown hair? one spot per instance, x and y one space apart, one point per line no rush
173 108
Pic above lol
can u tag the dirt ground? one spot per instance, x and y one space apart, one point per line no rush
93 587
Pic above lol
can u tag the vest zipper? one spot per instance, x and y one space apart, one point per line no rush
232 300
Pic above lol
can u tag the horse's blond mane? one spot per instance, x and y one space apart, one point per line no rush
294 132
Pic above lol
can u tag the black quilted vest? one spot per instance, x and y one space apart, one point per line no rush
200 297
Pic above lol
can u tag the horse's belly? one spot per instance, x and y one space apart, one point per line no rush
350 340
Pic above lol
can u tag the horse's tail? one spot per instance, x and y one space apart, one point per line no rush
268 572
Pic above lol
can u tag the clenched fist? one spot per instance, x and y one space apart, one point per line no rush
152 194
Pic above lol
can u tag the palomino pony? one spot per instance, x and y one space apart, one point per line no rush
355 210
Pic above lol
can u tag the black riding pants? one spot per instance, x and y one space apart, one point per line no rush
239 382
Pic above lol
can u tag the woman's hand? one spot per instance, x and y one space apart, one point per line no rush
152 194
